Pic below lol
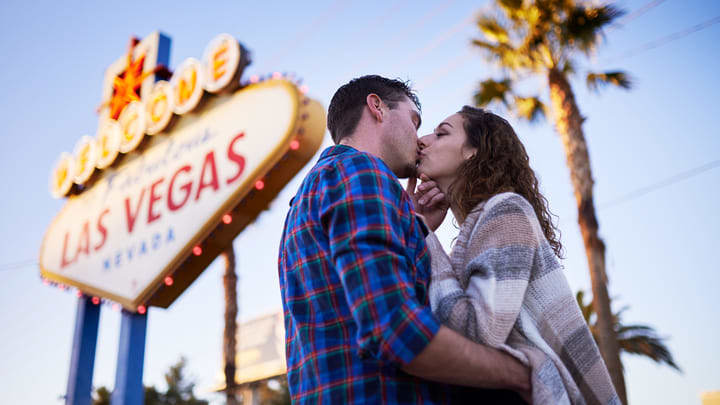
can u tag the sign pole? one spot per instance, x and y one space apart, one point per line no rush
82 359
131 354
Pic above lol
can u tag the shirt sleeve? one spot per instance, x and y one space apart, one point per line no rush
368 222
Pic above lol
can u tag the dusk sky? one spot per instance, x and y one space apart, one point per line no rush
655 155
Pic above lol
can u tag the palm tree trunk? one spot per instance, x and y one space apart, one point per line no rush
229 335
568 123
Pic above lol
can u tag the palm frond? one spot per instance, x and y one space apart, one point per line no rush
596 81
568 68
505 55
510 4
487 46
491 91
634 339
642 340
519 13
586 309
583 25
493 30
530 108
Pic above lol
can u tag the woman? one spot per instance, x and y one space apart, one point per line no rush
502 285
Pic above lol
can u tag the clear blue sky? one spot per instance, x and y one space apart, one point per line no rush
661 246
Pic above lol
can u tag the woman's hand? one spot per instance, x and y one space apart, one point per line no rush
429 201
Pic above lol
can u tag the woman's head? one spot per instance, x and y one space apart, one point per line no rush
475 154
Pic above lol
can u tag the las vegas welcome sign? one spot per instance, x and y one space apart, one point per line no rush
177 169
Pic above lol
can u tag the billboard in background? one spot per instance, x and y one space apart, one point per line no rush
261 349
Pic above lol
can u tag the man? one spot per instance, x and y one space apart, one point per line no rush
354 272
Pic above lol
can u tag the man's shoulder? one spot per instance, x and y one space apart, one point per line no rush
345 163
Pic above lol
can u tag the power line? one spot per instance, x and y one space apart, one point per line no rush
661 184
403 33
18 265
309 30
439 40
377 21
667 39
427 17
445 69
640 11
457 62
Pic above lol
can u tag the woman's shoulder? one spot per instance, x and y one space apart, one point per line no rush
503 211
508 203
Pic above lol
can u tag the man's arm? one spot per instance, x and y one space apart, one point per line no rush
367 221
453 359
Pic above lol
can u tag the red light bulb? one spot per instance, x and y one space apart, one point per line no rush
141 309
197 250
259 184
168 281
227 218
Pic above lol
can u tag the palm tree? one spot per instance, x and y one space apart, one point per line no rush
542 39
634 339
230 331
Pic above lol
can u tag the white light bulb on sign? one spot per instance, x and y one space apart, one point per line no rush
187 85
221 60
62 176
132 121
108 143
85 159
159 107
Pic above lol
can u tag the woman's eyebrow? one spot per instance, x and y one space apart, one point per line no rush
444 123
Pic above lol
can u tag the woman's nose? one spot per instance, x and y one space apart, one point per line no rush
422 142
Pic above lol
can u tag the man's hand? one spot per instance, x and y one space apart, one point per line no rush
429 201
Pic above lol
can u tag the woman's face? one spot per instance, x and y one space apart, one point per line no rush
444 150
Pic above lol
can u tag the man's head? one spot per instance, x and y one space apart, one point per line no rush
380 116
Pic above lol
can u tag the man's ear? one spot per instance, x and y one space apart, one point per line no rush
375 104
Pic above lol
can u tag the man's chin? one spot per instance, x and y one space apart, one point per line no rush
408 171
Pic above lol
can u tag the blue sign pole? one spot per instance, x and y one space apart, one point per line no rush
82 359
131 354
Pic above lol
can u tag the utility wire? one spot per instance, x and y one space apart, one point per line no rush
18 265
406 31
308 31
454 64
437 74
667 39
426 18
439 40
640 11
661 184
377 22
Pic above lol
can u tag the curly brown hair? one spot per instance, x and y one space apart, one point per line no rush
500 165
